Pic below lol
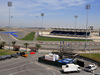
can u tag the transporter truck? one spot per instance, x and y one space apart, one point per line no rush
71 68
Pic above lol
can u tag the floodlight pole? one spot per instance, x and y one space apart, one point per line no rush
87 8
42 14
37 25
75 23
9 5
37 20
11 20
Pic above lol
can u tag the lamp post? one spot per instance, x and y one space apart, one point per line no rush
87 8
37 32
42 14
11 23
9 5
75 23
37 20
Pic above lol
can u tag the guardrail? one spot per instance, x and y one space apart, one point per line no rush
83 44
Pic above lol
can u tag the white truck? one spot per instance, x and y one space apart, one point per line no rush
71 68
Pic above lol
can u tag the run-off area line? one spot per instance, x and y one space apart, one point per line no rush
32 70
17 66
12 63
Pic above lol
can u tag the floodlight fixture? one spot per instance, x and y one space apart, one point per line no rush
87 6
42 14
75 16
9 4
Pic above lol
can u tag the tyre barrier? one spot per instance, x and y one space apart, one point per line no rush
8 56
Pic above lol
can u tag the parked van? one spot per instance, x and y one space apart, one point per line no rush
70 68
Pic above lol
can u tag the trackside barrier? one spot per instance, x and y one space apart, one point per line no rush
80 63
88 59
52 63
32 52
44 43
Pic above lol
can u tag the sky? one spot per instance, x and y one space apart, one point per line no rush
57 13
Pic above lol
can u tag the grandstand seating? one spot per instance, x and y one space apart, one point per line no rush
69 33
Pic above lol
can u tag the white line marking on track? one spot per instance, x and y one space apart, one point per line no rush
92 73
14 67
48 68
17 66
1 38
11 64
14 37
31 70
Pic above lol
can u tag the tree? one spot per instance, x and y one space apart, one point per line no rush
3 44
26 44
13 43
16 48
91 27
38 46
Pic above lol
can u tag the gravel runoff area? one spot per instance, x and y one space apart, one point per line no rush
30 66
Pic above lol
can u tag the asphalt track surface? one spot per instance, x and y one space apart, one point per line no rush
31 66
5 37
23 66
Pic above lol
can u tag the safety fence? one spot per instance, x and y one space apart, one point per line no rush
45 43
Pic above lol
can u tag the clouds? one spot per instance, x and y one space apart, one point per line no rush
29 6
62 4
73 2
29 9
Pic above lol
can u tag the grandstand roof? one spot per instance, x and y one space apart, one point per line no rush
71 29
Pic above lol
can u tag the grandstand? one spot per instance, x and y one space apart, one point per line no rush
70 32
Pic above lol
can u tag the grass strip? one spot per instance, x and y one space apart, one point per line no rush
94 56
40 38
6 52
29 37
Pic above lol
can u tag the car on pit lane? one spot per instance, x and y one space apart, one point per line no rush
90 67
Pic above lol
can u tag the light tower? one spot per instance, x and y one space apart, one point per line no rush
9 5
87 8
37 20
11 22
42 14
75 23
